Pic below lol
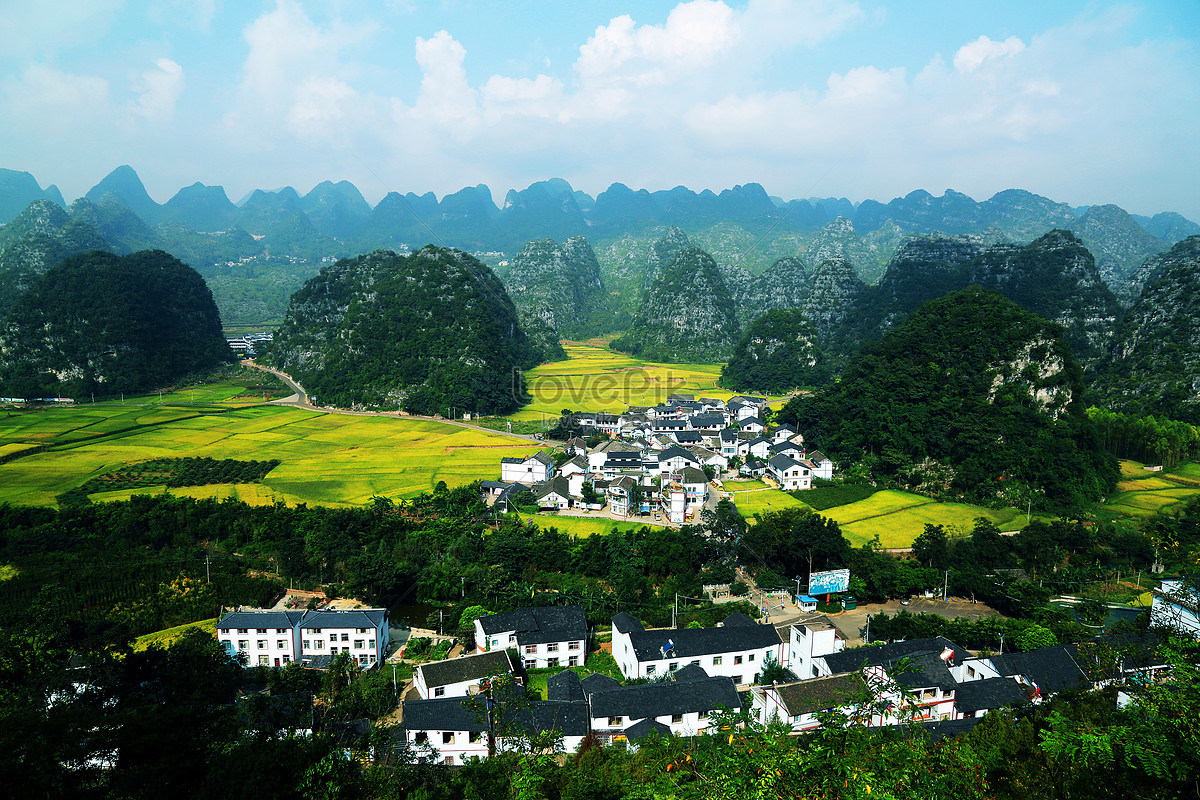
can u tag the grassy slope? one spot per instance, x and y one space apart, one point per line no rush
1141 493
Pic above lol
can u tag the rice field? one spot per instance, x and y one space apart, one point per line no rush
1142 494
328 459
587 526
755 497
899 517
593 378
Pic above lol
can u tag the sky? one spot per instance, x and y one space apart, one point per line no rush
1082 102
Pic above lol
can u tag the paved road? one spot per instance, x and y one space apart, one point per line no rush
300 400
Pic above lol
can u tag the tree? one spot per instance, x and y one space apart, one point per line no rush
1035 637
931 547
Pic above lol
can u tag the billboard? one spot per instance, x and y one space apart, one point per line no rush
835 580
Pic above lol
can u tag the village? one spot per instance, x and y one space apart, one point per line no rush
682 681
667 460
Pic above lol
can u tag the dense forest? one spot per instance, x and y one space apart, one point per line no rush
104 324
777 353
424 332
971 397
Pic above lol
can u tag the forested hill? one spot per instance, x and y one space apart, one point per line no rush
103 323
424 332
971 396
778 353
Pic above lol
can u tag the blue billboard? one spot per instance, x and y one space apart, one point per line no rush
835 580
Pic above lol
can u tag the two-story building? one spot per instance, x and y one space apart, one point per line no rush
737 648
361 632
683 706
798 703
544 636
266 638
536 468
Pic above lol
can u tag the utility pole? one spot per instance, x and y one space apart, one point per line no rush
1001 644
463 584
491 706
946 588
867 637
675 610
395 689
207 571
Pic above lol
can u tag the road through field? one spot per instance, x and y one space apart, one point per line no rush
300 400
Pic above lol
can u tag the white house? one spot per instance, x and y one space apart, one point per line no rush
789 473
674 459
554 493
268 638
451 731
822 466
619 493
682 706
1176 605
544 636
361 632
785 432
737 648
797 704
531 469
459 677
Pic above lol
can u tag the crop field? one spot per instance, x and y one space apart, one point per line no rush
755 497
328 459
587 526
1143 494
593 378
899 517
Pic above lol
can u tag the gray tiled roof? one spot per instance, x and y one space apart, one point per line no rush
922 657
1050 668
626 622
661 699
539 624
565 686
344 618
646 727
689 642
466 668
987 694
453 714
599 682
259 619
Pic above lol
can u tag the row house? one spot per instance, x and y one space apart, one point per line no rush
544 636
738 648
276 638
799 703
451 731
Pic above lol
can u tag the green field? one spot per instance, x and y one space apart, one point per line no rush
594 378
755 497
164 638
328 459
899 517
1142 494
586 526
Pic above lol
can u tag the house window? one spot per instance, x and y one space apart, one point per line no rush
439 691
703 715
573 646
531 663
512 637
614 722
737 659
243 644
449 761
345 637
651 669
751 657
371 643
360 630
243 630
474 737
677 718
447 737
552 647
716 661
970 672
320 643
674 665
358 644
281 644
551 662
495 642
371 658
333 637
260 631
737 679
573 661
530 649
264 661
422 737
287 659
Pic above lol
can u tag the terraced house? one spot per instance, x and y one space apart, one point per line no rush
550 636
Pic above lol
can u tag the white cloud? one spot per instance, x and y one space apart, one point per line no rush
446 97
972 56
45 91
41 29
158 90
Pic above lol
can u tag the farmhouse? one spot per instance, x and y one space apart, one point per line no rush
276 638
738 648
545 636
531 469
459 677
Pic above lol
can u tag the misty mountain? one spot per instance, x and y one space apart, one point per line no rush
19 189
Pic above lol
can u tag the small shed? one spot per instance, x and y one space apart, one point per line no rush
807 602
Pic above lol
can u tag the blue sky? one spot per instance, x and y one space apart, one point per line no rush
1084 102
